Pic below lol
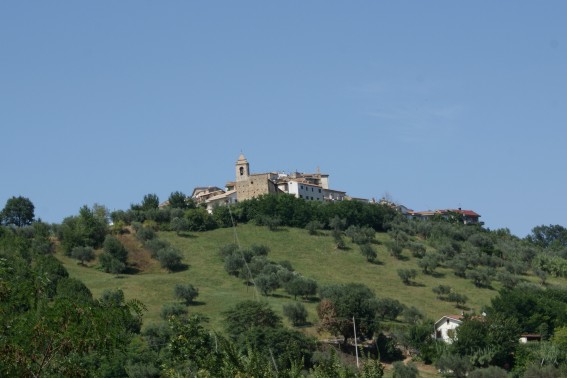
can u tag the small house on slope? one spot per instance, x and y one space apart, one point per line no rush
445 327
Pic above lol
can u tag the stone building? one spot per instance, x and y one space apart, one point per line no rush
247 185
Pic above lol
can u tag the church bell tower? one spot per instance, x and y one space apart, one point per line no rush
242 169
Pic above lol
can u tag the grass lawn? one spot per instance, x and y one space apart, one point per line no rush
313 256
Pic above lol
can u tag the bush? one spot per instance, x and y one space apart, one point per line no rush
227 250
169 258
111 264
441 291
302 286
83 254
402 370
145 233
267 283
296 313
367 251
172 309
314 226
155 245
407 275
459 299
115 248
489 372
388 308
417 250
395 250
179 225
273 223
233 264
412 315
186 292
338 237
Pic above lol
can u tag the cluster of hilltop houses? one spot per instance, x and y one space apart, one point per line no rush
308 186
247 185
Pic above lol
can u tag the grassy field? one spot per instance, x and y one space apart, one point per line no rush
313 256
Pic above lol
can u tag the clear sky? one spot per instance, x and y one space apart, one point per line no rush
439 104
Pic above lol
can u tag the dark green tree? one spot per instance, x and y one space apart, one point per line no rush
115 248
340 303
552 236
249 314
301 286
89 229
43 336
178 200
388 308
150 202
18 211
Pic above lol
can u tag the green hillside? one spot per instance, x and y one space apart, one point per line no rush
313 256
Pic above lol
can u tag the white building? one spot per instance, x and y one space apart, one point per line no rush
227 198
309 192
445 327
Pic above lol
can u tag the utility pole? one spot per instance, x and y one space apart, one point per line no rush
355 343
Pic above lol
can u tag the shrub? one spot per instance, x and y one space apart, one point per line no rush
83 254
367 251
227 250
172 309
441 291
314 226
402 370
301 286
488 372
186 292
459 299
111 264
155 245
267 283
169 258
388 308
145 233
417 250
296 313
407 275
115 248
395 250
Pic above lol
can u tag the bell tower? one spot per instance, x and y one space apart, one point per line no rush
242 168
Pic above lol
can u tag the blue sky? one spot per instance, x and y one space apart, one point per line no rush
438 104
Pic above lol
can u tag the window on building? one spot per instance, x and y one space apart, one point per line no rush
241 171
319 190
300 196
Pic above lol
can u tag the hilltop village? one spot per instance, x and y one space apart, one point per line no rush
308 186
